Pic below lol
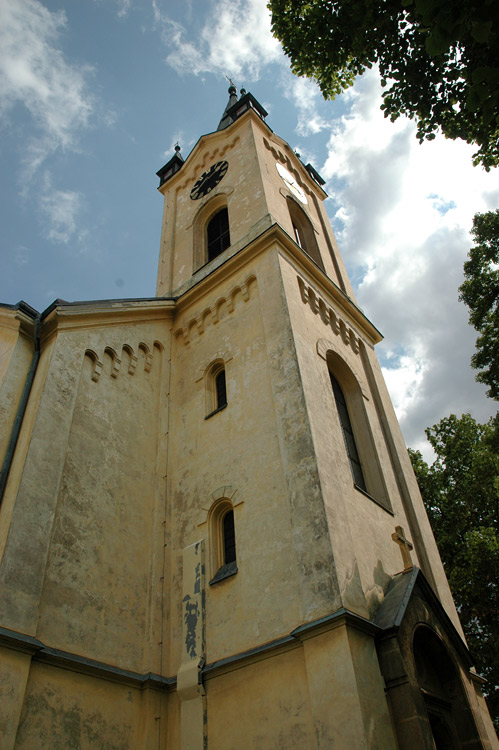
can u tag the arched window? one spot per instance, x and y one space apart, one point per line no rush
359 424
216 388
348 436
220 389
210 235
229 538
303 232
217 234
223 541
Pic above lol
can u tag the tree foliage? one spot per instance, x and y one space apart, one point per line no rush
480 292
461 494
439 62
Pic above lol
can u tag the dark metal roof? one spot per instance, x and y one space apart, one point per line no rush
226 118
171 167
238 108
23 307
315 174
398 595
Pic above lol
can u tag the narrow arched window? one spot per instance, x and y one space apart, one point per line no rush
223 541
216 388
348 436
220 389
217 234
229 538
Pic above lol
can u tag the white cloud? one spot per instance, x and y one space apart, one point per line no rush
304 94
234 40
21 255
60 211
35 73
403 376
123 7
406 210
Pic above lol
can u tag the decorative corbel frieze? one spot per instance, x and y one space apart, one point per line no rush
198 322
310 297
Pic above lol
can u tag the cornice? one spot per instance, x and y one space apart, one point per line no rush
275 235
341 618
97 313
20 317
76 663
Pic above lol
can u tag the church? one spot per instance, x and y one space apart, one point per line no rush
211 536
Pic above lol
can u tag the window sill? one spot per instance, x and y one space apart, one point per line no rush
373 499
226 571
212 413
207 263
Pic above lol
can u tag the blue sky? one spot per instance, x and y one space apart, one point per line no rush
95 93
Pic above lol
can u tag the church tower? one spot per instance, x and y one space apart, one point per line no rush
211 535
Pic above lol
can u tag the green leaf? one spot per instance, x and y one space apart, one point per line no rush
480 30
437 42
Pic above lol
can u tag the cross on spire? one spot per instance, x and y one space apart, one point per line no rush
405 547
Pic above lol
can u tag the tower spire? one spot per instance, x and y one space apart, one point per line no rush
226 118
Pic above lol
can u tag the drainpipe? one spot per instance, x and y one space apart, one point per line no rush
16 428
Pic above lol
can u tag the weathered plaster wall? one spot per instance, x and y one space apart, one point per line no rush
270 700
360 528
325 692
14 671
103 536
86 533
259 448
64 710
16 353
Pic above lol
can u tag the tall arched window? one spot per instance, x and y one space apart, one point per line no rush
220 389
222 540
303 232
229 538
361 429
348 436
216 388
217 234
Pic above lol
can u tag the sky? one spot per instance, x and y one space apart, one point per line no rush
94 94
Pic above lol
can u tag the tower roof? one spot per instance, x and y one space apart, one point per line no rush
226 118
234 109
171 166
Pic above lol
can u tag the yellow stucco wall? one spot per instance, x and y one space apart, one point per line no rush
16 353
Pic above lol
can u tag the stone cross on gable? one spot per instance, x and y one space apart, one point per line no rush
405 547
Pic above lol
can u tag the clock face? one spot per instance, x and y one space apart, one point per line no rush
291 183
209 180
